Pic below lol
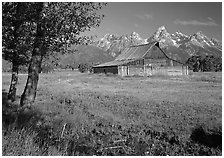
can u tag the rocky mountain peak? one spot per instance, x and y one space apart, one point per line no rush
202 39
109 37
162 36
161 33
217 43
199 35
135 35
162 28
180 34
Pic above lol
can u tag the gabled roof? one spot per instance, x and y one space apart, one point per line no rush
114 63
135 52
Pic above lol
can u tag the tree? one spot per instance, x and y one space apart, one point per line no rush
58 25
85 67
194 63
211 63
16 39
207 63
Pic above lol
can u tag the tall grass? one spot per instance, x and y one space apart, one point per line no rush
82 123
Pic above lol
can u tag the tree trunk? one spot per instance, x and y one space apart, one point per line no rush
29 93
14 81
15 65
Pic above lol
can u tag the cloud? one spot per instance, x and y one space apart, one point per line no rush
195 23
145 16
209 18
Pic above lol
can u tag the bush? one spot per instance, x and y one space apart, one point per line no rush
47 68
85 67
208 63
211 63
23 69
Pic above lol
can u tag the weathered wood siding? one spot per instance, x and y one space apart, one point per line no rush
169 71
149 67
109 69
137 70
123 71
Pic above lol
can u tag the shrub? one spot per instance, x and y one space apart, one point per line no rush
208 63
85 67
211 63
47 68
23 69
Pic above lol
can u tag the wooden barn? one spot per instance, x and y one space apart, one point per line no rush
143 60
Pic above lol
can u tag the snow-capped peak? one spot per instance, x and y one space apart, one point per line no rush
181 34
162 28
136 36
203 39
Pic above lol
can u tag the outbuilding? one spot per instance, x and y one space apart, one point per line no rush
143 60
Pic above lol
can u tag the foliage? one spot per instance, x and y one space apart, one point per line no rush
18 31
194 63
211 63
85 67
63 23
208 63
47 68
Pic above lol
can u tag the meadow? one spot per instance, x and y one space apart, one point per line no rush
97 114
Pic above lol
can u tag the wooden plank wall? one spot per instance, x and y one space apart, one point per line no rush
150 67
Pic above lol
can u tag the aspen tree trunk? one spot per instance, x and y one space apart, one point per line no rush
14 81
15 64
29 93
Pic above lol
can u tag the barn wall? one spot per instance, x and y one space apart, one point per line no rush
169 71
145 67
123 71
109 69
155 62
136 70
164 66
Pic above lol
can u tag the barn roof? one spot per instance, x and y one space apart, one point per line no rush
135 52
114 63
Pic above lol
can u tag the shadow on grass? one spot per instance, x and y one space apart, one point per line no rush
11 116
213 139
20 120
44 135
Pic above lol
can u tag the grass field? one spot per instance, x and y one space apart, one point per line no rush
98 114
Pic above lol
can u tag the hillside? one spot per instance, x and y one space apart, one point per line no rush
85 54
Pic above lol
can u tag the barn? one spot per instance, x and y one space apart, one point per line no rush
143 60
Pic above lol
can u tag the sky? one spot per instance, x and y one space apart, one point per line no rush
123 18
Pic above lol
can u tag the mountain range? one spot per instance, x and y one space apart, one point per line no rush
178 45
